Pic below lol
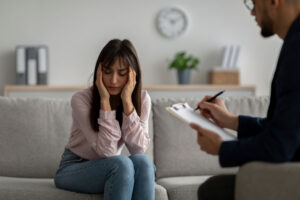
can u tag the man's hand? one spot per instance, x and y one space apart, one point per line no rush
209 141
217 111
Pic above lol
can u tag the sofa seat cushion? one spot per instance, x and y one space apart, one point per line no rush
184 187
34 188
37 188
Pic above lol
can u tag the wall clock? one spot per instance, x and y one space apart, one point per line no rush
172 22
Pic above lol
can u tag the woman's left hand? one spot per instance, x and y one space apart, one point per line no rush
130 85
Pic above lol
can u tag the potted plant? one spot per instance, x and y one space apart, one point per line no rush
183 64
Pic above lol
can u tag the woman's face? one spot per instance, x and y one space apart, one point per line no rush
115 77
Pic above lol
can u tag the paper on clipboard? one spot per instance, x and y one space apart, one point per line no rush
184 112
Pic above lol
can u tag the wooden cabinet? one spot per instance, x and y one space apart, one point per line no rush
155 91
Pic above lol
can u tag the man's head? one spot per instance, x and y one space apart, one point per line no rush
273 16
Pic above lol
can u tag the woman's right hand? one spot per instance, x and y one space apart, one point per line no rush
217 111
105 104
99 83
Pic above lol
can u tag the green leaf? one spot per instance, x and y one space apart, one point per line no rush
182 62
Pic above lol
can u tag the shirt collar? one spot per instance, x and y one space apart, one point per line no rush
295 27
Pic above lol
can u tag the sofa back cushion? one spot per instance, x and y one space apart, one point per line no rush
33 134
176 151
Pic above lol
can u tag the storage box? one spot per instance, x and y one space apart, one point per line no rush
224 76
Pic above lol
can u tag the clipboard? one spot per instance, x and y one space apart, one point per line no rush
187 114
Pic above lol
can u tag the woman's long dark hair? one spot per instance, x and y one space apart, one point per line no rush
115 50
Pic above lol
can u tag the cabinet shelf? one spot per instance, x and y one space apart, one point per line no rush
155 91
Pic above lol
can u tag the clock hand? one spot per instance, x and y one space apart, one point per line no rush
173 21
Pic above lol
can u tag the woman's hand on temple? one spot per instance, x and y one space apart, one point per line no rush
101 88
104 95
127 91
130 85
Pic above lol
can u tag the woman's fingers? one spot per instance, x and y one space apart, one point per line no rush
98 77
100 81
132 76
100 74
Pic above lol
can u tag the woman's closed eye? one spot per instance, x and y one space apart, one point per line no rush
107 71
123 72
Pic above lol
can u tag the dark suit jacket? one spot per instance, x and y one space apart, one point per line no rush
275 138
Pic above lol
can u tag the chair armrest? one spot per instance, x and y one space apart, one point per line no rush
268 181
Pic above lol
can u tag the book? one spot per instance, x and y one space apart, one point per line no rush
187 114
225 57
230 56
236 56
31 65
21 65
42 52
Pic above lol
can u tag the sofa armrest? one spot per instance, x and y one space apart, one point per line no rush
268 181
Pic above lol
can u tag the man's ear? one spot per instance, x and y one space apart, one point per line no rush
275 3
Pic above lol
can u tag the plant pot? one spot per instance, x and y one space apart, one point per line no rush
184 76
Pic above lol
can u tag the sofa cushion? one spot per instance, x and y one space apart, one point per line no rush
185 187
32 188
33 134
251 105
176 151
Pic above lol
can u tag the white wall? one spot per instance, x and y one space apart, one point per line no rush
76 31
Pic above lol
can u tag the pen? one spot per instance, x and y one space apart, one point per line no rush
211 98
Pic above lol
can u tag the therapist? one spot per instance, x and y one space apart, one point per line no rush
275 138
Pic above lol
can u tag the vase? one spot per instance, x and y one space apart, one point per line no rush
184 76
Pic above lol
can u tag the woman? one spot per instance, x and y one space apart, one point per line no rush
113 112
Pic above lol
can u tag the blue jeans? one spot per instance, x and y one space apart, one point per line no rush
118 177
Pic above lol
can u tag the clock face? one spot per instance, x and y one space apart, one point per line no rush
172 22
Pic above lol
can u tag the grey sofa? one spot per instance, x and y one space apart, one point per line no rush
33 133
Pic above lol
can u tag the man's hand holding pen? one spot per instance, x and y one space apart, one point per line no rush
215 110
210 99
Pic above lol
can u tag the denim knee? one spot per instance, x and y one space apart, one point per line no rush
123 166
142 162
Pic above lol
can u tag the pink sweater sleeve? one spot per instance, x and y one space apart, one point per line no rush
135 129
104 142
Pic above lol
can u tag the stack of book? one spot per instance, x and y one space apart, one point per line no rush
32 65
230 56
228 72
